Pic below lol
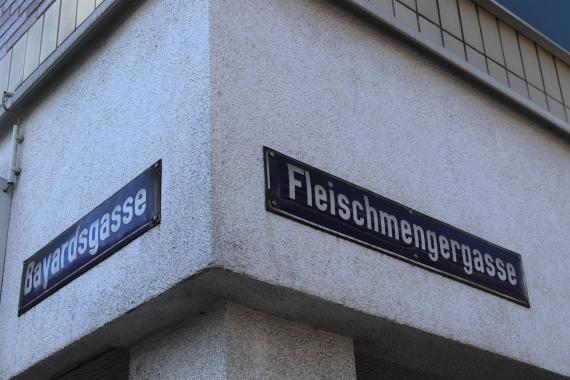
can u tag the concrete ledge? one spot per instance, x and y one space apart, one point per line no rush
487 81
374 336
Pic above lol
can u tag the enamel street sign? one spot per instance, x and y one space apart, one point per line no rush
316 198
123 217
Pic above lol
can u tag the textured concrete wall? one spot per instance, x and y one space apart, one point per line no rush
194 350
319 83
136 95
234 342
326 86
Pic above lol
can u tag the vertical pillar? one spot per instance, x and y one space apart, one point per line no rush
235 342
193 350
5 206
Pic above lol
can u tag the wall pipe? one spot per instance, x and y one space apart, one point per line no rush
13 169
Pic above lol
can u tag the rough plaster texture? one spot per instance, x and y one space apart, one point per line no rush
265 347
204 85
318 82
194 350
234 342
137 95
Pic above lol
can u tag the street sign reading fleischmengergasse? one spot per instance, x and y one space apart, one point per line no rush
311 196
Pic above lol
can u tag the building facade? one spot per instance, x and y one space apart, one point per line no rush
454 108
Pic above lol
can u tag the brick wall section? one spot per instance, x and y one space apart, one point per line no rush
17 16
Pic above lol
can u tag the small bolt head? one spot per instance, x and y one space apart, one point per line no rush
272 154
274 203
156 164
154 219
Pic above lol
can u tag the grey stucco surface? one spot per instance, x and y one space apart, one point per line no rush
136 95
261 346
319 83
235 342
204 85
195 349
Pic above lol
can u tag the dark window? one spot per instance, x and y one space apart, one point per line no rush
372 368
111 365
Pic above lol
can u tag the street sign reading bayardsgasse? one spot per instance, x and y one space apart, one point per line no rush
311 196
117 221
